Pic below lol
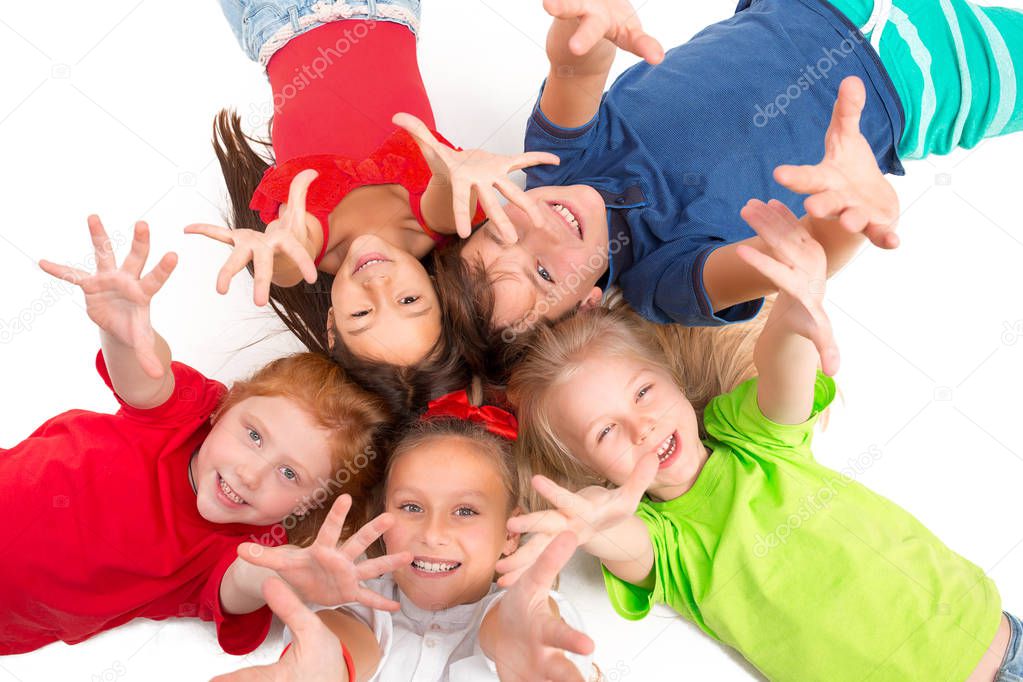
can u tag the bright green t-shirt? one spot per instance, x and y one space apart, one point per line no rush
807 573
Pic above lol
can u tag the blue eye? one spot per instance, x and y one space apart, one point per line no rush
288 473
255 437
604 431
410 507
466 512
643 391
542 271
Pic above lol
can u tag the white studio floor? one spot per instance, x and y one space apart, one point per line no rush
108 108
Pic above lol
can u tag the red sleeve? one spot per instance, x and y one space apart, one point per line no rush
237 634
194 396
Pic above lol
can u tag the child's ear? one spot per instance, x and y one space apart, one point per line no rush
511 542
331 329
592 299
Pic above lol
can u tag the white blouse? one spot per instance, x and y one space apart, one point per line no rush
417 645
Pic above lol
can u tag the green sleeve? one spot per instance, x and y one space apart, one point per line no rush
735 419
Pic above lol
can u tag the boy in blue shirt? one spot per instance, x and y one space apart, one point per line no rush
656 173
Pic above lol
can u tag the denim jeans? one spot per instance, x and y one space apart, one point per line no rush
263 26
1012 665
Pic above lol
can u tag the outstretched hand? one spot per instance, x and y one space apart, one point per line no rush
798 267
847 186
284 238
590 511
315 654
479 173
533 639
326 573
615 20
117 299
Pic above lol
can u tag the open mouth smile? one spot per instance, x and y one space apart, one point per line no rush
434 568
566 214
226 492
369 260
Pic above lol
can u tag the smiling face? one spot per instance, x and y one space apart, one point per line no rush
385 307
552 268
612 411
450 506
263 460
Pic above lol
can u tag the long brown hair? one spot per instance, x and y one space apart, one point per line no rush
353 417
459 351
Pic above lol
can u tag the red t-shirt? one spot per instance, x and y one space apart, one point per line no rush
336 89
103 525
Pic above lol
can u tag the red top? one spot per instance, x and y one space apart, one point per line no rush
336 89
103 525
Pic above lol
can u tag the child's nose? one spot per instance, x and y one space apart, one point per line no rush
437 530
252 472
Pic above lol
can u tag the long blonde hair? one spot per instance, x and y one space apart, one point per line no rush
704 361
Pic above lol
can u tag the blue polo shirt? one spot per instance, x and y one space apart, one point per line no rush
677 149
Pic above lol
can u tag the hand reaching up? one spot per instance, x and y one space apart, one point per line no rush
615 20
326 573
117 299
533 639
285 239
477 171
315 654
587 513
847 186
798 268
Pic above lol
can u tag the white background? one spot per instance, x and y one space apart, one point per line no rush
107 108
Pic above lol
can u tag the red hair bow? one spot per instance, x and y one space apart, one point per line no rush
494 419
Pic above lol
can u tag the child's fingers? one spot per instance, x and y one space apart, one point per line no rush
529 206
297 192
289 608
824 340
845 116
644 45
534 159
293 250
826 205
136 258
64 272
375 601
367 535
642 476
524 557
854 220
495 212
156 278
461 198
805 179
330 530
557 668
260 555
560 635
549 522
591 29
262 275
558 496
374 568
101 245
545 569
419 131
217 232
777 273
883 236
235 263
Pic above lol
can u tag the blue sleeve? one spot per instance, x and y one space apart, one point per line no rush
569 144
666 286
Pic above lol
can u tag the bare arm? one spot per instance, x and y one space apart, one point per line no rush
798 334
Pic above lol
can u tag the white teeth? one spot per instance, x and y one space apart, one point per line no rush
370 262
432 567
667 448
229 493
568 215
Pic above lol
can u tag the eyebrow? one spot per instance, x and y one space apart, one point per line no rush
457 493
363 330
630 382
